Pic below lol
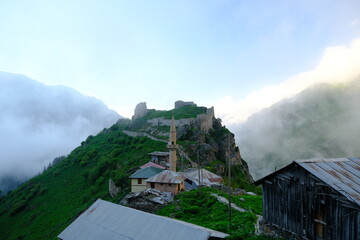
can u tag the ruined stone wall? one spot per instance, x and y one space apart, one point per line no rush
179 104
140 110
167 122
204 121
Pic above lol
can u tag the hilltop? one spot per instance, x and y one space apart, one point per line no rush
43 206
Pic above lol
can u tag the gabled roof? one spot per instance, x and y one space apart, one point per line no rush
207 177
167 176
145 173
151 164
342 174
106 220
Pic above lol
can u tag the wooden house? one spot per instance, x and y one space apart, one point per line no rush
138 179
167 181
314 199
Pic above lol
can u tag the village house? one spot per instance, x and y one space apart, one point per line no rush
138 178
106 220
314 199
167 181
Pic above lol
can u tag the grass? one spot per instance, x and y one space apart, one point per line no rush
199 207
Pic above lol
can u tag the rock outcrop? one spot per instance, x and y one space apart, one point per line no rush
149 200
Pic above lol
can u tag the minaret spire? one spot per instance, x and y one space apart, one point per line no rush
172 146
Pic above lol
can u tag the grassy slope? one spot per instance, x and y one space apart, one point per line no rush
199 207
45 205
42 207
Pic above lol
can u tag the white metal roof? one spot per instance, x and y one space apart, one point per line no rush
106 220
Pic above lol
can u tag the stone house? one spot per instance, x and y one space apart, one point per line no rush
138 179
167 181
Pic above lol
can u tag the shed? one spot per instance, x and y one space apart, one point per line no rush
207 178
315 198
167 181
158 157
106 220
138 178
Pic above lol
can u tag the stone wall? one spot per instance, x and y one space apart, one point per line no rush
179 104
167 122
140 110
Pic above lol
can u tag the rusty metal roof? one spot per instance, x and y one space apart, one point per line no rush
167 176
106 220
151 164
342 174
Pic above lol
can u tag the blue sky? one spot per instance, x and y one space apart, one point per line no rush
125 52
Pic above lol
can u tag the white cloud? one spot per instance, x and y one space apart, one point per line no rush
338 64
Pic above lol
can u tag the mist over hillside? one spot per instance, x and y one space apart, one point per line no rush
321 121
40 122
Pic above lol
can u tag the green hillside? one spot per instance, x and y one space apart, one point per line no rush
43 206
46 204
322 121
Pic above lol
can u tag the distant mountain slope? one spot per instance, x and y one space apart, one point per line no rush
40 122
322 121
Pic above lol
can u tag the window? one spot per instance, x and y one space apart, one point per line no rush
169 184
139 181
152 185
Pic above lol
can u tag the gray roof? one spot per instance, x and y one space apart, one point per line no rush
167 176
342 174
106 220
161 154
207 177
145 173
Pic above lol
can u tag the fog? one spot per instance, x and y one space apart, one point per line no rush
40 122
321 121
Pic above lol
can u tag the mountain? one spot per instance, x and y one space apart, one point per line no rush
40 122
43 206
321 121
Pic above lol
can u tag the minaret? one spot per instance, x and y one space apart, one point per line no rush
172 146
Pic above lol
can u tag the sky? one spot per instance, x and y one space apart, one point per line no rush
239 56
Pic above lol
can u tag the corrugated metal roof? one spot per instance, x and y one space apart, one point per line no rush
106 220
151 164
343 174
167 176
145 173
207 177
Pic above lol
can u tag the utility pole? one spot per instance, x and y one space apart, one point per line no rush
229 179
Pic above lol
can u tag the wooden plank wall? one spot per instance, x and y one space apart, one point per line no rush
299 202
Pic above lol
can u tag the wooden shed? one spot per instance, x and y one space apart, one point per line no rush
314 198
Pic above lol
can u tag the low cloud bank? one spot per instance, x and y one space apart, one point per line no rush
338 64
40 122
